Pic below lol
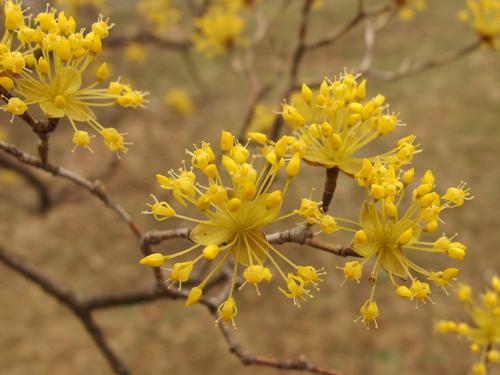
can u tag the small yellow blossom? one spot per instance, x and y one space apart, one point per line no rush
159 13
219 30
135 53
336 122
483 16
179 101
235 214
483 328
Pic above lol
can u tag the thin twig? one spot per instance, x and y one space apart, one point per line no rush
146 37
407 70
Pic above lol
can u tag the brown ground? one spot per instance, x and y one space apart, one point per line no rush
452 110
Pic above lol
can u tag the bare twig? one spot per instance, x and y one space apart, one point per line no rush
69 299
94 187
407 70
44 199
249 359
330 186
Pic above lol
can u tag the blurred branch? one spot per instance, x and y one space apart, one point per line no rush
44 199
93 187
407 69
69 299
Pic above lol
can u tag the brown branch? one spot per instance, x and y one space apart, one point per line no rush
249 359
93 187
330 186
407 70
68 298
44 199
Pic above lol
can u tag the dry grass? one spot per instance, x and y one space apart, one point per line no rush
452 110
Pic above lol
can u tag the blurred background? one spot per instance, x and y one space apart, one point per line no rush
453 111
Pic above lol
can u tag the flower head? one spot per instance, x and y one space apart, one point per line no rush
337 122
483 326
53 72
235 210
389 232
219 30
179 101
159 13
484 17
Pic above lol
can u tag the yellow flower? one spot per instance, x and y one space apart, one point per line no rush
135 53
407 8
179 101
483 328
218 30
483 16
337 122
262 118
235 214
159 13
389 234
55 81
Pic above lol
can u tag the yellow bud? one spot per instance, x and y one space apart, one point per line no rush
59 101
306 93
390 208
495 283
210 252
210 170
336 140
328 224
474 348
463 329
490 299
479 369
353 119
102 73
360 236
456 253
229 164
326 129
367 110
260 138
227 310
377 191
274 200
408 176
428 177
379 100
153 260
293 166
404 292
7 83
226 141
464 293
493 356
361 91
43 65
405 237
194 296
355 107
234 204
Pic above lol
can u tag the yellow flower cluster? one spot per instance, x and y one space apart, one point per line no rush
484 329
407 8
388 233
179 101
219 29
235 211
49 67
335 123
159 13
484 17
